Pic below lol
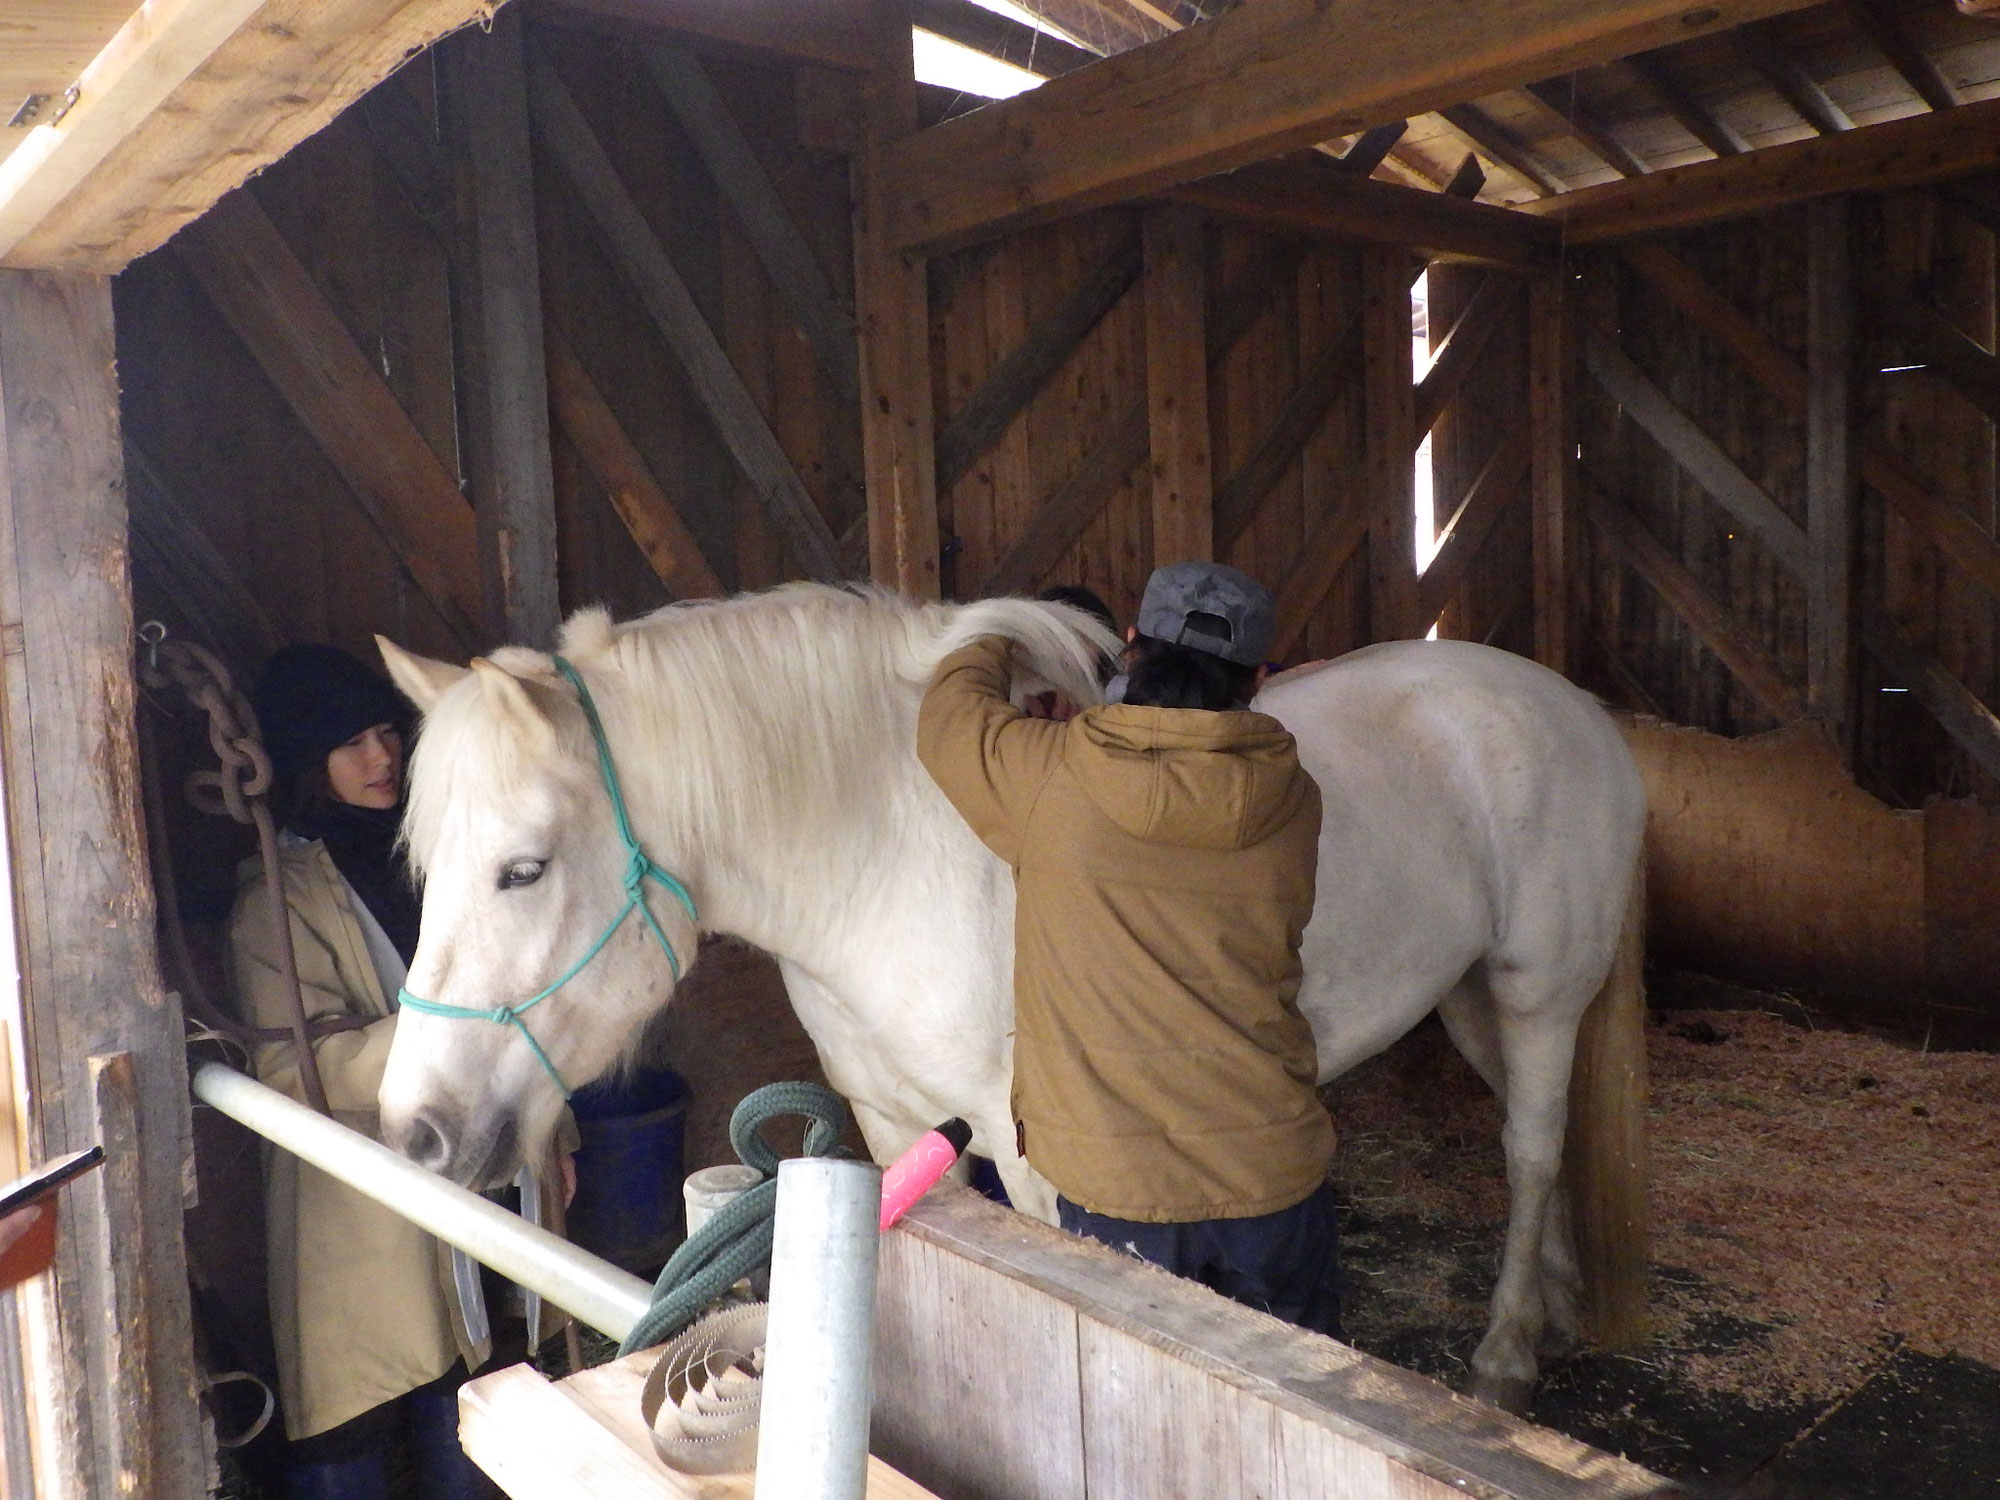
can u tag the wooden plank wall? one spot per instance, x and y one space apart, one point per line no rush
1285 417
1693 612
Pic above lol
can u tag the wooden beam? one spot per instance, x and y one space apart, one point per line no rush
621 471
110 1345
994 35
1391 439
831 33
1559 96
1249 85
1831 534
1695 452
1497 483
1949 352
1074 503
1341 205
255 281
188 100
168 544
1694 117
1336 538
1909 60
1956 536
1026 368
513 480
1458 355
637 252
733 164
1104 27
1972 726
1070 507
892 304
1552 460
1901 153
1469 181
1319 386
1797 87
1685 595
1371 148
1176 300
1502 145
1775 370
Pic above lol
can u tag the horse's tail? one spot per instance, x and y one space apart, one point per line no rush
1604 1161
1063 645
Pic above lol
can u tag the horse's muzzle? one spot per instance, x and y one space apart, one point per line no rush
478 1161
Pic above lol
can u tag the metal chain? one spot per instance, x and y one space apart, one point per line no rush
238 789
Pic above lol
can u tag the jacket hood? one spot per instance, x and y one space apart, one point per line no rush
1186 776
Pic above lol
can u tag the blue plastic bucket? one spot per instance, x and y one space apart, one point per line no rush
629 1168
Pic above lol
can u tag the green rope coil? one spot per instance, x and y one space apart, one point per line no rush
737 1241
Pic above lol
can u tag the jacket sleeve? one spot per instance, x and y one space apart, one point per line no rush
989 758
350 1062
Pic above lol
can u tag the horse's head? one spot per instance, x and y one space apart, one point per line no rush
517 838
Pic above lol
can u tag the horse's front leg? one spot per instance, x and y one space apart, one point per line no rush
1536 1049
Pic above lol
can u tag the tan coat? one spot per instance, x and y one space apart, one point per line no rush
361 1302
1164 862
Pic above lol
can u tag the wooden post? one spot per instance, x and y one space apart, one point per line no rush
1391 411
1830 478
513 481
1550 452
893 317
1176 290
116 1356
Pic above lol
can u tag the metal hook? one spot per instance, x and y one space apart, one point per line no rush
152 633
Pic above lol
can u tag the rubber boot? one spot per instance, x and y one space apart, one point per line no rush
362 1478
446 1472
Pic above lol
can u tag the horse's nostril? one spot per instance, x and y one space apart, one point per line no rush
424 1144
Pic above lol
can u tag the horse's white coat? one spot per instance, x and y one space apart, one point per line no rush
1482 822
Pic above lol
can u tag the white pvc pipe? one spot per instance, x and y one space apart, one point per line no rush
707 1192
812 1436
608 1299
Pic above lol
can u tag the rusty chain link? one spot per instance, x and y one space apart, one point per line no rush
239 789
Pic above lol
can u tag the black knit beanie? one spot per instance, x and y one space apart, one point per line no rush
312 699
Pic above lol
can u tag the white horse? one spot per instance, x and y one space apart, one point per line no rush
1481 833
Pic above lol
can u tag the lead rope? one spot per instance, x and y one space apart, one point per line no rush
639 868
705 1388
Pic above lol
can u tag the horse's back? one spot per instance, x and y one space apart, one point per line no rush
1477 806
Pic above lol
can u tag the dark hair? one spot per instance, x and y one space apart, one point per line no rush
1078 597
1165 674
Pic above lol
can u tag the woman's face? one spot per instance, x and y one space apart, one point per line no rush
367 771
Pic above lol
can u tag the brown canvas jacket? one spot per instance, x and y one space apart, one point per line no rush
1164 862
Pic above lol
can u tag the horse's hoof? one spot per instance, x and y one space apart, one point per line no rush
1507 1392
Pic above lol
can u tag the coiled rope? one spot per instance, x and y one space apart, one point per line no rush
737 1241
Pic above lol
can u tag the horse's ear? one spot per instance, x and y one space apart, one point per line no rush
507 694
422 680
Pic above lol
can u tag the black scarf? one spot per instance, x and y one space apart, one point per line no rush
362 841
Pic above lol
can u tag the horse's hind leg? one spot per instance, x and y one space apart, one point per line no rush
1469 1019
1536 1026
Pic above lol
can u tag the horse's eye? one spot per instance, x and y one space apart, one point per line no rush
521 872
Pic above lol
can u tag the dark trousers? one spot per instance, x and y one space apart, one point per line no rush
1286 1264
352 1461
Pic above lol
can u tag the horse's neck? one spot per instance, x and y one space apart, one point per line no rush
834 836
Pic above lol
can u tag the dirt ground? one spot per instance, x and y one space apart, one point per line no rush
1825 1309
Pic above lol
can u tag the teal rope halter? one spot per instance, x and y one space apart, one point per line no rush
640 867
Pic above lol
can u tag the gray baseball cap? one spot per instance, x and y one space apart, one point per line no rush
1210 607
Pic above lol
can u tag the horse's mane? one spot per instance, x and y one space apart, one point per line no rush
803 679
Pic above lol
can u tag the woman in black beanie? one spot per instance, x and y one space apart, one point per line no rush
372 1332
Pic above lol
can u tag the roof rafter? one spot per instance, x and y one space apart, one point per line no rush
1247 86
1503 146
1694 117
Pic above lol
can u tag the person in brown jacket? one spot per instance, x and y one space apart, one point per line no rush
1164 852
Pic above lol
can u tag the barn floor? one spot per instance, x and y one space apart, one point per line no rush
1826 1313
